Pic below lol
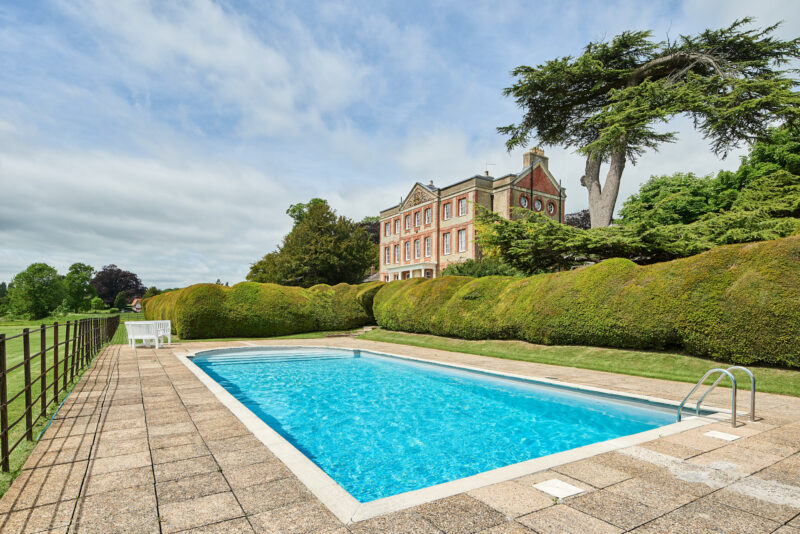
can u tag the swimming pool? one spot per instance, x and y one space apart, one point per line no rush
380 425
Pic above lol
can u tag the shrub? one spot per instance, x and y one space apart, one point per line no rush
252 309
481 267
98 304
736 303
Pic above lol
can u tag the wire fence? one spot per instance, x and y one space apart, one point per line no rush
64 350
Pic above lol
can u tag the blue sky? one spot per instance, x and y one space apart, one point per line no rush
170 137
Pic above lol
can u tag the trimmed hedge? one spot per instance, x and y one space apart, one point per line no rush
737 303
251 309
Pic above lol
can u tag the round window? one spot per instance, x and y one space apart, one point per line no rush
551 208
523 201
537 204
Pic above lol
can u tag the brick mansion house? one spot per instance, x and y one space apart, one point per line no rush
434 227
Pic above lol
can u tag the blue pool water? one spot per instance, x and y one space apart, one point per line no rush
380 425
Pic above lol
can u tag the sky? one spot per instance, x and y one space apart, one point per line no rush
169 138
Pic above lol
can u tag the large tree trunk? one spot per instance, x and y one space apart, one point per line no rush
603 198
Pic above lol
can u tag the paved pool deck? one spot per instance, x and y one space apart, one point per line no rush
142 445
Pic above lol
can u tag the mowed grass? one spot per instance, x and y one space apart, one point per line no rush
16 381
664 365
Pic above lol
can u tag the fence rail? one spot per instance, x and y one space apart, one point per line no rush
82 341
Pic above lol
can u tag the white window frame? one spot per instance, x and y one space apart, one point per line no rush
462 207
397 253
397 226
427 216
417 219
416 249
388 256
448 210
427 247
462 243
408 222
446 243
408 251
387 229
387 278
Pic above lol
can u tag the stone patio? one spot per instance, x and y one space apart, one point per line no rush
141 445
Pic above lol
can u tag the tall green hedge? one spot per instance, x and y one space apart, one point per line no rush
251 309
737 303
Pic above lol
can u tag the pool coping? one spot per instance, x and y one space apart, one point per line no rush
349 510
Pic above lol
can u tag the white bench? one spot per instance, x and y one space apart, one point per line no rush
144 330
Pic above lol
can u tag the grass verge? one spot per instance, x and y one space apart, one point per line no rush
664 365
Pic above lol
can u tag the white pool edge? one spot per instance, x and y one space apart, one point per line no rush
349 510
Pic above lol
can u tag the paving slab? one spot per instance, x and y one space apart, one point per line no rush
192 513
562 519
295 519
460 514
193 487
274 494
615 508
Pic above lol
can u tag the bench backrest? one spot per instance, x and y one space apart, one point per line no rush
162 327
139 328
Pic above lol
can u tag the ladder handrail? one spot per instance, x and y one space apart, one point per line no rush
752 390
725 372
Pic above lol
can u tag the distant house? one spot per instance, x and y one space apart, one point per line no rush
136 305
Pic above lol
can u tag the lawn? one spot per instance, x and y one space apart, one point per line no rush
664 365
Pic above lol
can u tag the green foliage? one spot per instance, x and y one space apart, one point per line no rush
677 199
152 291
97 304
3 289
481 267
251 309
120 301
739 304
78 287
113 310
63 309
36 291
370 219
300 210
322 248
608 99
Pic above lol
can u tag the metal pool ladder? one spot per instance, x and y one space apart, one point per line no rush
722 374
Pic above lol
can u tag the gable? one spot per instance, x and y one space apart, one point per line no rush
417 195
542 182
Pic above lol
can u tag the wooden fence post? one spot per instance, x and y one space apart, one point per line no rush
26 347
4 405
43 368
66 356
55 361
76 340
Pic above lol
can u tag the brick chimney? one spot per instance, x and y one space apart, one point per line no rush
530 156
